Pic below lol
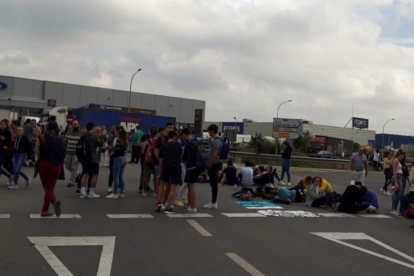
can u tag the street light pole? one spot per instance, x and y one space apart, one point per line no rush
130 90
277 116
383 133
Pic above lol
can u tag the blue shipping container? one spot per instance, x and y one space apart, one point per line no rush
114 118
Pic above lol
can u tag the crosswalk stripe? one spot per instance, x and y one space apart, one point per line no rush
335 215
4 216
66 216
375 216
243 215
245 265
199 228
125 216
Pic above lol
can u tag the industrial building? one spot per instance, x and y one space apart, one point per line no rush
249 127
28 97
393 141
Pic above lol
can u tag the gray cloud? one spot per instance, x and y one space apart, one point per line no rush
242 57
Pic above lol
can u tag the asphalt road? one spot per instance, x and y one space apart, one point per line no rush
173 246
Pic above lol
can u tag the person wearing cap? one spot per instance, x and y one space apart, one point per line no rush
352 200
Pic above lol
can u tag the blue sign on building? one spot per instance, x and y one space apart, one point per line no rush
229 125
359 122
3 86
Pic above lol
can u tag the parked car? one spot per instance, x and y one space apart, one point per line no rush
325 154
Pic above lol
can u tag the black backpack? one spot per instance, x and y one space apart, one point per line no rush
171 159
83 150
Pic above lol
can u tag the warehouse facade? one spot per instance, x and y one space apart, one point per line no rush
248 127
28 97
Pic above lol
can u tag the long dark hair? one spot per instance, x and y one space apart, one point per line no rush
7 124
286 143
52 126
122 137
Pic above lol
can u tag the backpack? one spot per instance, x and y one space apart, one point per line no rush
148 155
83 150
171 159
225 150
154 142
203 159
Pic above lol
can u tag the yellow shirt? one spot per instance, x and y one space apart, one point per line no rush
326 187
387 163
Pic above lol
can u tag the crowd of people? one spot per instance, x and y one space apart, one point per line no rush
175 158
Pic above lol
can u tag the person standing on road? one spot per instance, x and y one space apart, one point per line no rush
119 158
161 140
375 160
148 161
21 150
397 180
170 171
136 145
215 145
258 151
181 200
71 161
35 135
28 131
359 166
5 141
286 154
91 165
387 168
51 151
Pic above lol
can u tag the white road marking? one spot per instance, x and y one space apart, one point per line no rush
375 216
335 215
265 208
66 216
5 216
245 265
199 228
105 264
243 215
339 237
200 215
124 216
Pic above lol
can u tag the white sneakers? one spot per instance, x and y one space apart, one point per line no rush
28 181
109 189
211 206
395 213
13 187
112 196
282 183
93 195
289 184
386 193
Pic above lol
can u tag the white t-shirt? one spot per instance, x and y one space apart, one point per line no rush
247 176
376 158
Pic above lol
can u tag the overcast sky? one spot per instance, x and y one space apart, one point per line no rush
242 57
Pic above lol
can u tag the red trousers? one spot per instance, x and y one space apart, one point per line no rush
49 173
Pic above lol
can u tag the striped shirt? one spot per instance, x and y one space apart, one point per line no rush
71 139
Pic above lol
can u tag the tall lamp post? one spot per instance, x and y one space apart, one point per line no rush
130 90
277 116
383 133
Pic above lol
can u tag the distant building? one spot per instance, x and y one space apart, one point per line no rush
392 140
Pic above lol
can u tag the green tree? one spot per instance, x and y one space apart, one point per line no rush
356 146
302 142
268 147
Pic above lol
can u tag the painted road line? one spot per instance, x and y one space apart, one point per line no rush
105 264
199 228
335 215
243 215
126 216
4 216
341 236
245 265
375 216
200 215
65 216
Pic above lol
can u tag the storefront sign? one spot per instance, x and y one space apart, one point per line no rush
3 86
122 109
359 122
51 103
198 123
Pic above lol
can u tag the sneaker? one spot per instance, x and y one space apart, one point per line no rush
78 192
381 190
28 181
109 190
282 183
337 205
387 193
144 194
169 211
82 196
324 206
185 202
9 183
289 184
190 211
93 195
180 203
112 196
13 187
158 207
163 207
121 195
211 206
395 213
70 185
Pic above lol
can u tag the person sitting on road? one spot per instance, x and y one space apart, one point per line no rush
325 187
351 201
302 188
264 177
229 175
286 194
315 198
246 175
370 197
407 205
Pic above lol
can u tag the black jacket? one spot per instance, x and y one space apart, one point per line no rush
350 198
287 153
22 145
6 140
